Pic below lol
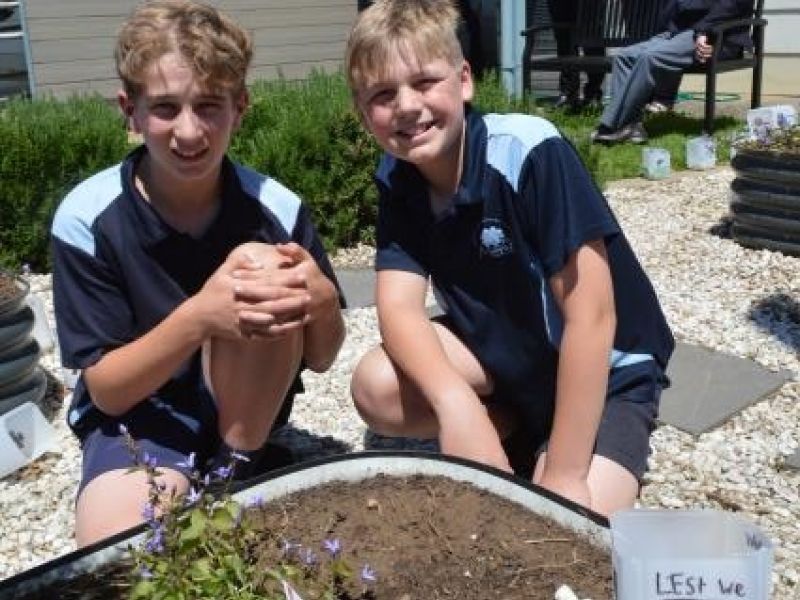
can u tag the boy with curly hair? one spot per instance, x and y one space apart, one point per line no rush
190 290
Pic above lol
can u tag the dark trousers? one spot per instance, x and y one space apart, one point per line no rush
565 11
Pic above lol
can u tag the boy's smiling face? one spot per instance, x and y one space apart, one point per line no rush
415 110
186 127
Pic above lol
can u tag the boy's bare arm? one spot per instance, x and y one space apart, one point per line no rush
584 292
128 374
324 326
412 343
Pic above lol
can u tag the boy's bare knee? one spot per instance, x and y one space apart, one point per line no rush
373 382
113 502
264 254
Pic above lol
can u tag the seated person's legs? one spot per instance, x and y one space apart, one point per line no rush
110 499
623 438
251 378
391 405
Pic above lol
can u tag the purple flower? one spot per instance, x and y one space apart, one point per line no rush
332 547
155 545
223 472
149 461
188 463
368 574
193 496
148 511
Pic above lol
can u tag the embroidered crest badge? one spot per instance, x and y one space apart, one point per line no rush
495 240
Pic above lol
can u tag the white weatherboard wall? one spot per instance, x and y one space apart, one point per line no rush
72 41
781 78
784 23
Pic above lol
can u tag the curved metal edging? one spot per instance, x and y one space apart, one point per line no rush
344 467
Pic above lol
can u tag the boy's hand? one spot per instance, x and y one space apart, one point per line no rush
272 300
322 294
215 306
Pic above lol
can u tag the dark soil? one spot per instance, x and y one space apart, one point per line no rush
8 287
10 291
428 538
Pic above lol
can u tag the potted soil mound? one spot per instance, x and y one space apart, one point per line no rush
429 527
765 194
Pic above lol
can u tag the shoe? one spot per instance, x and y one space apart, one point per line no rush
657 107
632 132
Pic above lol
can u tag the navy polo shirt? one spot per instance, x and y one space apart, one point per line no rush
120 269
524 205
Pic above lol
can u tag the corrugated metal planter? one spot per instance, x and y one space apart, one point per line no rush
765 200
20 378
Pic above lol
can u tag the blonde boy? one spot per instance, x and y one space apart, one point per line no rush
188 289
551 328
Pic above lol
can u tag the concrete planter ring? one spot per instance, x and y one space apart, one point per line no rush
765 201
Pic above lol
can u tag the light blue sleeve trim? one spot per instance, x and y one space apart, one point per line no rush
624 359
554 325
511 137
281 201
78 211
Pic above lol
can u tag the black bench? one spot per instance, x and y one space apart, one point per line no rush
619 23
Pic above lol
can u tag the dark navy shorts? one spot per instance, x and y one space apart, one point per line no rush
167 430
623 435
630 414
628 419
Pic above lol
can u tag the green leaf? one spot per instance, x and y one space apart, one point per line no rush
222 519
196 526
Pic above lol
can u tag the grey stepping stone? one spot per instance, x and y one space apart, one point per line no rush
707 388
793 462
710 387
358 286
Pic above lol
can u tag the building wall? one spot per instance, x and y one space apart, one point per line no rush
71 41
781 37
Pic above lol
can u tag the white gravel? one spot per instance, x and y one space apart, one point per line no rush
715 293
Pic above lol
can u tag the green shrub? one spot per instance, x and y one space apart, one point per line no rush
47 147
305 134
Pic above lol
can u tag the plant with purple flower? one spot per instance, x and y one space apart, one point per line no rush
199 545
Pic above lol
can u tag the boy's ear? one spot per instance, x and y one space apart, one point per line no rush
467 82
126 106
241 102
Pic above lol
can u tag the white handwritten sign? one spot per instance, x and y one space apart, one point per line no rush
726 579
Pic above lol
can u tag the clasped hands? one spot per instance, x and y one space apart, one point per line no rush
266 292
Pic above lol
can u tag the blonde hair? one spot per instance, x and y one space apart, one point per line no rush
419 30
217 50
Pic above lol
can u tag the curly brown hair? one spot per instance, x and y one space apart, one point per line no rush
217 49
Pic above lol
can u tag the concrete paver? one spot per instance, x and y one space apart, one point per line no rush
708 387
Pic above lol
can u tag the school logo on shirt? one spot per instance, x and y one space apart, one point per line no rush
495 240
